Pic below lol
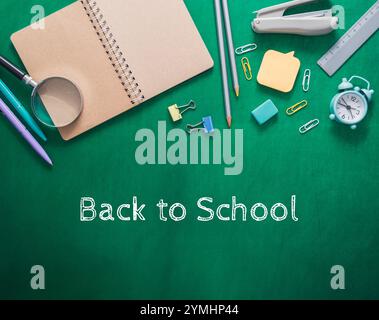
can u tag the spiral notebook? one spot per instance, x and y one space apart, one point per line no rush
119 52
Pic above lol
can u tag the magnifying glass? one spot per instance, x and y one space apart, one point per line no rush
56 102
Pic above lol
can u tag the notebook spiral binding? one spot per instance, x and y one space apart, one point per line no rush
116 56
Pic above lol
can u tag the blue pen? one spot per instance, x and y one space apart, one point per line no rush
21 110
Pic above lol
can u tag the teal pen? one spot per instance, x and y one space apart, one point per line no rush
21 110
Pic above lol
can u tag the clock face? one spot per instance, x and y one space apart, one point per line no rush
350 107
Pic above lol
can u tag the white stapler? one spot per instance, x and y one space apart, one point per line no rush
272 20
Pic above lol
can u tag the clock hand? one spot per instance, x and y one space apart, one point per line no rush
345 106
345 102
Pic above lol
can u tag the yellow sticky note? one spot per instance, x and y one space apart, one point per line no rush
279 70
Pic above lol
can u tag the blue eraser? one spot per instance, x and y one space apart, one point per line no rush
265 112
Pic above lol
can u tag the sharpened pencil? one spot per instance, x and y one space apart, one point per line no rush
224 72
229 37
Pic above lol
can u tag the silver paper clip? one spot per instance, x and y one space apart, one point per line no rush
309 126
247 48
307 80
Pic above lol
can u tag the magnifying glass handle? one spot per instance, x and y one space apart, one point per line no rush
12 68
5 63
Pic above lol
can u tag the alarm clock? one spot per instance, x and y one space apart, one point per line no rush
350 105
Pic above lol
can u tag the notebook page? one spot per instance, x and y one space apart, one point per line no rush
159 40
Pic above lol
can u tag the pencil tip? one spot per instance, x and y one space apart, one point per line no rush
229 119
237 91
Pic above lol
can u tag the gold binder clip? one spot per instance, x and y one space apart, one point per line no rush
246 68
297 107
176 112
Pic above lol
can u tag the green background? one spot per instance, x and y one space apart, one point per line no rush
333 171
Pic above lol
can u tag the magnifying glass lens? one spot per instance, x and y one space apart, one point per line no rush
57 102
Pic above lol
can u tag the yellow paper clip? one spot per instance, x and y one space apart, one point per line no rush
297 107
246 68
176 112
309 126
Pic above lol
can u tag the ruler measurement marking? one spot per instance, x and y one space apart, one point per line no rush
336 57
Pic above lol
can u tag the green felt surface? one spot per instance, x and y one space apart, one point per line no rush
333 171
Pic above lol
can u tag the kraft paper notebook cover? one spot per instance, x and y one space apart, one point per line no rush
119 52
